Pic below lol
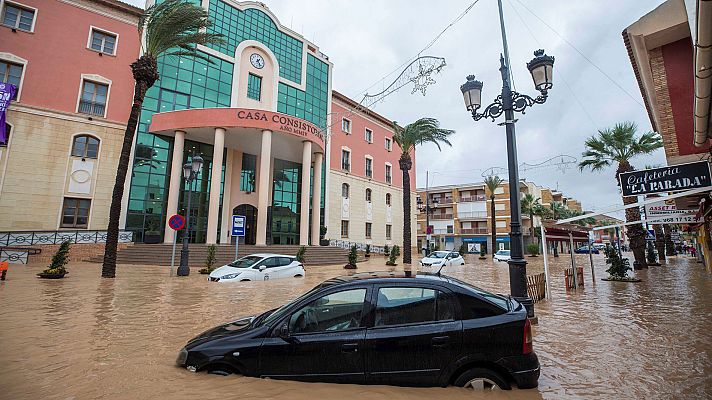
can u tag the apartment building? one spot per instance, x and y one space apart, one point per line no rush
462 214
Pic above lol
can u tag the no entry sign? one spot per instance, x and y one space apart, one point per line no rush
176 222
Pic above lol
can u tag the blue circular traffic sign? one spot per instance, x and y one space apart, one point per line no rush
176 222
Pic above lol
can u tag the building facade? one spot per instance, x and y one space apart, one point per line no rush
463 214
69 60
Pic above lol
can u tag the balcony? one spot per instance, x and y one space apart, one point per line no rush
472 214
474 231
442 231
473 198
441 216
91 108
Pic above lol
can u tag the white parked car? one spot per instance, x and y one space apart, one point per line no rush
442 258
502 255
258 267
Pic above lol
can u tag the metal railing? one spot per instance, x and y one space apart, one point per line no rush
92 108
32 238
469 199
441 231
441 216
474 231
471 214
345 244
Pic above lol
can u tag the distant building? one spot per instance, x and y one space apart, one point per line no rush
463 214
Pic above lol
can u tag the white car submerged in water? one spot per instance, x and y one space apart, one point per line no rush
442 258
259 267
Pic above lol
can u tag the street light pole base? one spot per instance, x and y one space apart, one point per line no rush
183 269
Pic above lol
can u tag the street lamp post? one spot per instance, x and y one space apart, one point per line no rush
507 103
428 209
190 173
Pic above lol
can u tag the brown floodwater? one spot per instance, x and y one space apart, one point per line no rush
84 337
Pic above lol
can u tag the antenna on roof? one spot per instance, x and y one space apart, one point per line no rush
440 269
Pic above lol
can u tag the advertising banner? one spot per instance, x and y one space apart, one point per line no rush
7 92
666 179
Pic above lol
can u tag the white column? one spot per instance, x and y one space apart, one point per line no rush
304 210
316 199
215 175
263 188
227 192
175 184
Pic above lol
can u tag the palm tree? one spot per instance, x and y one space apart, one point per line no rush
424 130
529 205
558 211
171 28
619 145
492 183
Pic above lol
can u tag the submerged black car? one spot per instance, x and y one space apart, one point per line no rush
379 328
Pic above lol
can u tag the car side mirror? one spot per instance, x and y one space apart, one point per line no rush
283 331
263 267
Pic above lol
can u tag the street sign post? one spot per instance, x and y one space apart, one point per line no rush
238 229
175 222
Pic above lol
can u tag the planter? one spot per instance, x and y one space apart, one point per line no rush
390 264
152 238
204 271
350 266
323 242
533 255
626 279
45 275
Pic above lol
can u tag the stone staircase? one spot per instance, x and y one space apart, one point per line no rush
160 254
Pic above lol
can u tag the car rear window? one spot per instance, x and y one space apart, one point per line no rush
473 308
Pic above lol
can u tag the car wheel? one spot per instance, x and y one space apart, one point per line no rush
218 370
482 379
244 280
299 276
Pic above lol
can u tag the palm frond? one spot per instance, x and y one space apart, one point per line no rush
424 130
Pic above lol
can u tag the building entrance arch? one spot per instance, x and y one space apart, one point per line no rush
250 213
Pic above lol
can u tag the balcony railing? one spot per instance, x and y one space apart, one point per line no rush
469 199
441 231
33 238
91 108
472 214
474 231
441 216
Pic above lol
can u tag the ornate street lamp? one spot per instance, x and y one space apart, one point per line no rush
541 69
190 173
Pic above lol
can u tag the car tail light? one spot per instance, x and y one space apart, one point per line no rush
528 346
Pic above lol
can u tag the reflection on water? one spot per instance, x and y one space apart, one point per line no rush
85 337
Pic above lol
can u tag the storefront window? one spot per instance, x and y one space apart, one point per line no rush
247 176
286 202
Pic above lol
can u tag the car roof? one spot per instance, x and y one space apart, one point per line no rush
385 277
263 255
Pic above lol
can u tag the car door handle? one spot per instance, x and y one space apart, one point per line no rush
440 341
349 347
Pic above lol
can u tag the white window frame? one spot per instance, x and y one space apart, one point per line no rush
348 132
20 5
94 79
365 165
11 58
93 28
351 159
389 144
365 135
389 232
386 173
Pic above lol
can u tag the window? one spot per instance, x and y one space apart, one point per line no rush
501 224
346 125
17 17
368 230
369 167
473 308
344 229
411 305
369 135
450 229
85 146
103 42
345 190
388 199
389 177
254 87
388 232
247 175
11 73
334 312
75 213
389 145
345 160
368 195
93 100
170 100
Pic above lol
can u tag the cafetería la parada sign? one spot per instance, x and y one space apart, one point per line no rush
672 178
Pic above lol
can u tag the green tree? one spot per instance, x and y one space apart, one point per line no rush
492 183
558 211
59 259
620 145
170 28
530 205
424 130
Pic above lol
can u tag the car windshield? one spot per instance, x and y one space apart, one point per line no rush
278 313
245 262
438 254
503 252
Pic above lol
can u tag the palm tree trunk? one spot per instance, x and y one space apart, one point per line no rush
635 232
660 242
406 164
493 222
145 73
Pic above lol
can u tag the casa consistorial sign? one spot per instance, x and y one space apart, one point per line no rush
672 178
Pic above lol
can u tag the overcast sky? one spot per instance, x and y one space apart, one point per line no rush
366 40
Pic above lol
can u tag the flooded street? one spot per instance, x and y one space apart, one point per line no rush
84 337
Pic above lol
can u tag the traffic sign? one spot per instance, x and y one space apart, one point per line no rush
238 225
176 222
650 235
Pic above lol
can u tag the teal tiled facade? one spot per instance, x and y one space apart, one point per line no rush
187 83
